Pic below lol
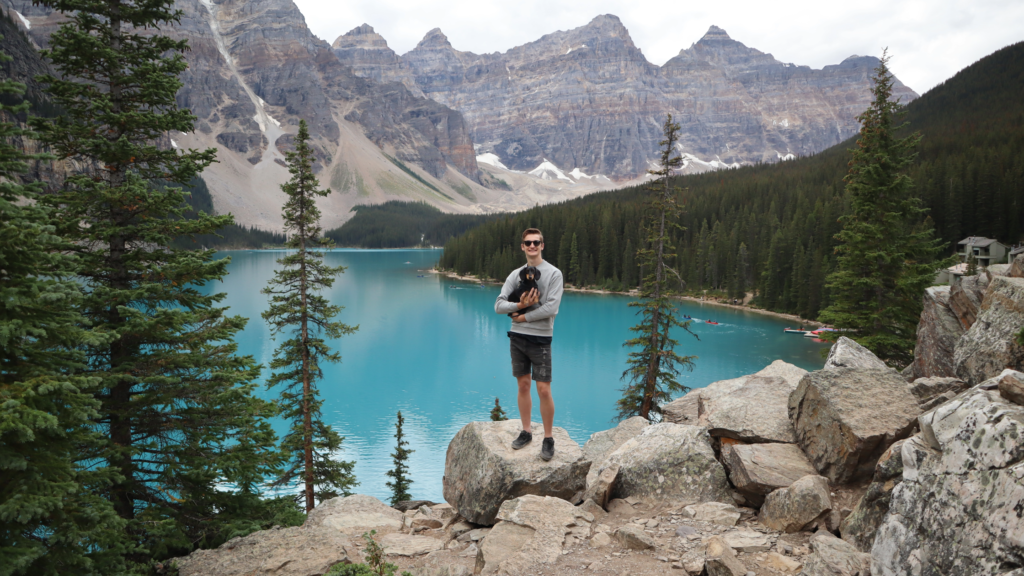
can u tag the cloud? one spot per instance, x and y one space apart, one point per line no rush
929 40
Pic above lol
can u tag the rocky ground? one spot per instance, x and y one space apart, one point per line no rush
852 470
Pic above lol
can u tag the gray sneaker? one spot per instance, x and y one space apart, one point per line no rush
547 449
523 439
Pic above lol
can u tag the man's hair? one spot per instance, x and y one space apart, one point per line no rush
533 231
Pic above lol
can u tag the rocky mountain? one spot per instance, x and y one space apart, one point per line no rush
588 99
255 69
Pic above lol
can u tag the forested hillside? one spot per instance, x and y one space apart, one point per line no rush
770 228
401 225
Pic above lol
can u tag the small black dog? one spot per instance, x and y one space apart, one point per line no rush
527 281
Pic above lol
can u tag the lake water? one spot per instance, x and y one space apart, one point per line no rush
434 349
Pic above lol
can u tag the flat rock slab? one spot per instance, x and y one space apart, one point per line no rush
937 335
846 353
530 532
720 560
684 410
846 417
758 469
633 537
756 411
482 470
409 545
602 444
797 507
298 551
927 389
355 514
990 345
831 556
669 463
747 541
713 512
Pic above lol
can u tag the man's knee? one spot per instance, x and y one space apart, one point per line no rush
524 384
544 389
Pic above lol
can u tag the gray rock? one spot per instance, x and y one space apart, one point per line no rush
529 533
599 490
937 335
684 410
747 541
669 463
999 270
603 443
593 508
684 531
845 418
298 551
927 389
990 346
860 526
957 511
831 556
1011 386
482 470
720 560
713 513
754 412
758 469
965 298
633 537
797 507
600 540
1017 267
409 545
354 515
846 353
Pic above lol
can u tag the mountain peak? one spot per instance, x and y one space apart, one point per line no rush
434 39
716 33
361 30
360 37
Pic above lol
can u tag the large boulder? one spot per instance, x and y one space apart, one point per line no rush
530 531
603 443
930 392
684 410
757 411
846 353
831 556
990 346
299 551
845 418
354 515
1011 386
669 463
758 469
409 545
798 506
937 335
860 526
965 298
481 469
958 510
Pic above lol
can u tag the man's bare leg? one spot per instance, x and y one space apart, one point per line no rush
525 402
547 405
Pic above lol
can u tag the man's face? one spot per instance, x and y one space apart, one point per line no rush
530 245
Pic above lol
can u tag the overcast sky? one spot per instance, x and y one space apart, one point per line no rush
930 40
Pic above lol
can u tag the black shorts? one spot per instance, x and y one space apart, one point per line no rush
527 355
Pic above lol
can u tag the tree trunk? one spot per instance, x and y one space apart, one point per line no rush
307 415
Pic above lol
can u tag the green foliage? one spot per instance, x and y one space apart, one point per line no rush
341 569
177 413
400 481
654 365
298 311
886 251
52 518
1020 336
397 224
968 172
972 264
498 413
375 559
231 236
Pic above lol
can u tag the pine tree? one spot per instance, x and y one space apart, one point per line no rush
628 267
972 264
653 369
399 475
575 267
52 520
742 271
298 311
886 253
498 413
177 411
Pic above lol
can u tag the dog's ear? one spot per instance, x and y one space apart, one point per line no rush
536 274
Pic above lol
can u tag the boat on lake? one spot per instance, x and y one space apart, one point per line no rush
710 322
794 331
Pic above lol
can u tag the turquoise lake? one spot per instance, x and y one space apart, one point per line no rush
433 348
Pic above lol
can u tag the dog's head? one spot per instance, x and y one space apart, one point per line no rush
529 274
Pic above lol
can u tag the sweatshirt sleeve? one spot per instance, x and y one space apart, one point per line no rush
502 305
552 299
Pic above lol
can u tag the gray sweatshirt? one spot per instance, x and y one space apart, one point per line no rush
540 319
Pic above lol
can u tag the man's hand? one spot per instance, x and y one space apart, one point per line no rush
529 299
519 317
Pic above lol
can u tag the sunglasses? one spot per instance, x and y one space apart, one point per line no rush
532 242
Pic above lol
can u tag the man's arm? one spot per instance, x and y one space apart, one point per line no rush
552 300
502 305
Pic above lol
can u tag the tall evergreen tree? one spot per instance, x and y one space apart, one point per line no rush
52 520
399 475
654 367
575 266
886 251
307 318
177 409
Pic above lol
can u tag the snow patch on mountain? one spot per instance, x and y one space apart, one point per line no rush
789 156
491 159
548 171
28 25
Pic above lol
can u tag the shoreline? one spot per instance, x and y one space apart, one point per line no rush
784 316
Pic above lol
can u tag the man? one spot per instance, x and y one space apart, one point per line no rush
533 321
